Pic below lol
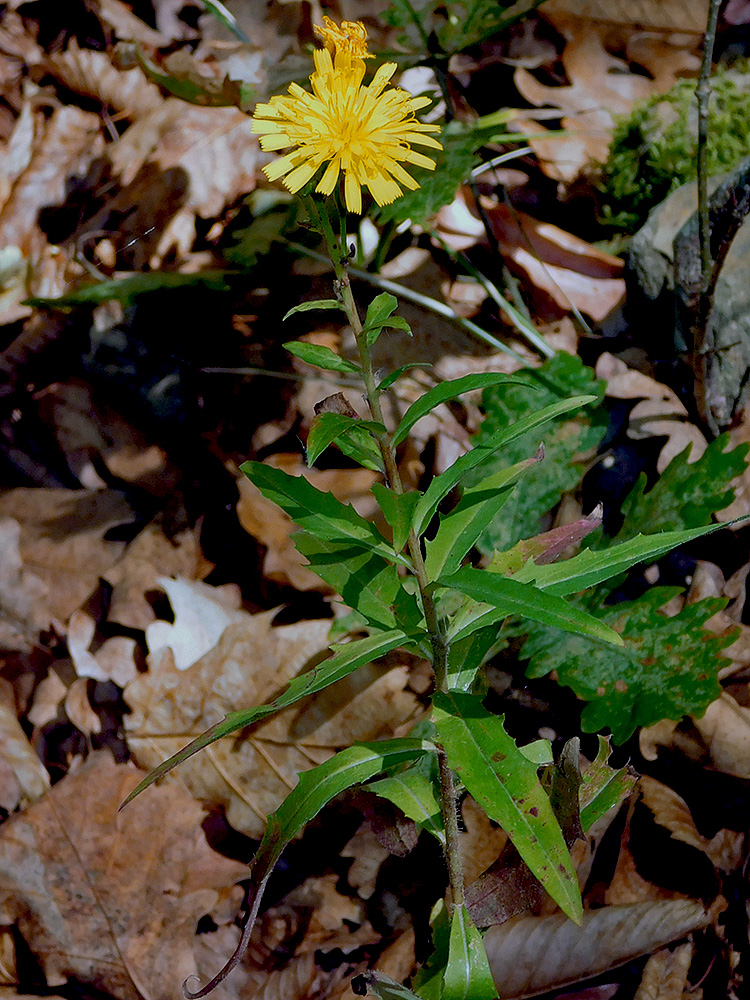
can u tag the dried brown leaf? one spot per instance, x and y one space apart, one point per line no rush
111 900
62 539
92 74
24 606
725 728
665 974
660 414
530 955
23 777
666 15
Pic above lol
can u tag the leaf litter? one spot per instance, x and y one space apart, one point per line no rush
136 611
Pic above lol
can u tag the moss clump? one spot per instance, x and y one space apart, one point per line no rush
653 151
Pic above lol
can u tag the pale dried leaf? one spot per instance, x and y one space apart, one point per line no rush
213 147
530 955
665 974
725 728
92 74
201 616
24 606
118 15
23 777
48 697
367 854
660 414
671 811
62 539
149 556
667 15
78 708
111 900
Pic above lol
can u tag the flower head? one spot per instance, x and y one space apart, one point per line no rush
362 132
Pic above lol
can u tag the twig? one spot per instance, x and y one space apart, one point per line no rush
703 94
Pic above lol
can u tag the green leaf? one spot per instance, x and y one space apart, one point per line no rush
590 567
347 657
321 357
442 485
360 445
602 787
367 583
380 315
441 393
398 510
413 791
318 513
508 597
318 786
394 376
467 974
328 428
505 783
685 495
667 667
468 654
312 306
381 986
459 530
127 290
428 980
227 18
567 441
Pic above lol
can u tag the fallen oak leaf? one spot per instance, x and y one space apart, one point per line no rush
111 901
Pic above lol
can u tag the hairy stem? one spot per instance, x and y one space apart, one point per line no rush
438 641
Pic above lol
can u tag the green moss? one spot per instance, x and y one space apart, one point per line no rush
653 151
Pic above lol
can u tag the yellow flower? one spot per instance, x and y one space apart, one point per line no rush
362 132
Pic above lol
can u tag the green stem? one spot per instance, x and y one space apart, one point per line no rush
436 631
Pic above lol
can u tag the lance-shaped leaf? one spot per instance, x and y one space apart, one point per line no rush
315 789
602 787
460 529
442 485
398 510
321 357
367 583
347 657
318 786
392 377
467 974
304 307
504 597
328 428
414 792
590 567
444 391
320 513
506 785
545 548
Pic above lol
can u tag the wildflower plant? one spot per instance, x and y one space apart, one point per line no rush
411 588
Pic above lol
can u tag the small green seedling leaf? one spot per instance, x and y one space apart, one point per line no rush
321 357
442 485
380 315
509 597
347 657
444 391
314 306
602 787
467 974
398 510
505 783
